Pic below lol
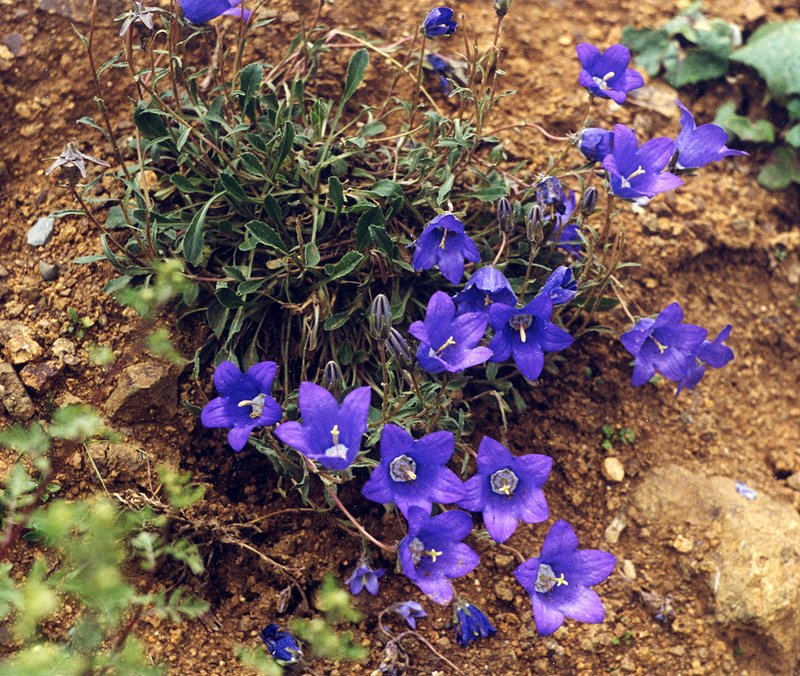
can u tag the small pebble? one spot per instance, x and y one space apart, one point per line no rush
614 529
682 544
48 271
42 231
613 470
628 569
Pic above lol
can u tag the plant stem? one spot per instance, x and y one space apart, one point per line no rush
363 531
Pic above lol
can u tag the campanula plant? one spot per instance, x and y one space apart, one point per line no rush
443 242
439 22
281 644
486 286
606 74
699 146
471 624
364 577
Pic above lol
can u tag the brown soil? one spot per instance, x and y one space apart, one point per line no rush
712 245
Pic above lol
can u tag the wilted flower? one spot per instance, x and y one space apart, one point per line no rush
330 433
486 286
526 334
139 16
662 344
200 11
444 241
281 644
712 353
636 172
447 342
410 611
246 402
565 232
595 143
507 489
607 75
443 70
364 577
699 146
432 553
439 22
561 285
471 624
550 193
72 163
558 581
414 473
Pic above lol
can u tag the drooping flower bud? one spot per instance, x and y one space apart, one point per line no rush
550 193
588 200
505 215
332 377
595 143
380 318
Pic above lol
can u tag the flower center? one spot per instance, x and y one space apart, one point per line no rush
403 468
446 344
626 182
546 579
487 300
256 405
418 551
337 450
504 482
520 323
602 82
444 237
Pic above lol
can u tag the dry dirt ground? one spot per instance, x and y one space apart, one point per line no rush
723 246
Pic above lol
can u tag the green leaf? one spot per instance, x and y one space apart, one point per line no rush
184 184
355 74
741 127
337 321
286 146
793 136
489 193
774 51
336 193
194 239
382 240
372 129
349 262
250 79
782 169
650 47
233 189
793 108
151 125
698 66
183 136
445 188
266 235
311 253
253 165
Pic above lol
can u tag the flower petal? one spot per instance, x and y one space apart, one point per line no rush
238 437
559 541
591 566
501 523
547 618
263 373
227 377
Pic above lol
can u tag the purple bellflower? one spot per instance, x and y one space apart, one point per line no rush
607 75
486 286
439 22
281 644
410 611
595 143
245 402
662 344
549 194
565 234
558 581
507 489
364 577
442 69
636 173
447 342
699 146
471 624
444 242
526 334
200 11
712 353
414 473
432 553
330 433
561 285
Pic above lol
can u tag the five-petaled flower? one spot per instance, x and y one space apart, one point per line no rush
364 577
486 286
72 163
607 75
712 353
662 344
699 146
414 473
432 553
200 11
558 580
447 342
245 402
330 433
410 611
637 173
444 241
471 624
439 22
281 644
526 334
507 489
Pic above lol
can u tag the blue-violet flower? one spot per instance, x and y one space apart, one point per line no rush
507 489
561 285
200 11
330 433
444 242
471 624
414 473
699 146
443 70
410 611
447 342
439 22
245 403
595 143
486 286
281 644
712 353
607 75
564 233
558 580
636 173
432 553
550 195
526 334
364 577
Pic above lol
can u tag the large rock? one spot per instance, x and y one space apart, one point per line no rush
15 399
753 563
145 392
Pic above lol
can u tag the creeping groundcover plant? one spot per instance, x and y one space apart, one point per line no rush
337 253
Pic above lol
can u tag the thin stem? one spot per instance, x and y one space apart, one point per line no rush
501 249
363 531
417 82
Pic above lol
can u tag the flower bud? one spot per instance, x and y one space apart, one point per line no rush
588 200
501 7
595 143
397 346
505 215
332 376
533 225
381 317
